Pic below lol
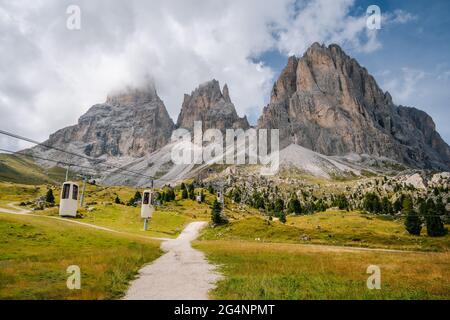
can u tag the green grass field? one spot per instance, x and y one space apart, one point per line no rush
167 222
21 169
35 253
332 228
274 271
259 259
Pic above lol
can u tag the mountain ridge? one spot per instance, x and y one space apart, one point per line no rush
323 101
327 102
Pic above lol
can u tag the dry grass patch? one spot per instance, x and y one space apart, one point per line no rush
256 270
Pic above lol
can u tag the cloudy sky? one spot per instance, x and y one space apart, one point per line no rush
50 75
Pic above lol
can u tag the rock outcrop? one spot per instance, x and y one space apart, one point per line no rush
132 123
327 102
213 107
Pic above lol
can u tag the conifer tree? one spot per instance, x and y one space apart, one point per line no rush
216 213
49 197
412 221
435 227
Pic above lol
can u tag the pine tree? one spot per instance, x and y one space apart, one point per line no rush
137 197
341 202
294 205
321 206
412 222
435 227
170 194
216 214
386 207
236 195
191 191
117 200
282 217
49 197
372 203
442 210
184 193
279 205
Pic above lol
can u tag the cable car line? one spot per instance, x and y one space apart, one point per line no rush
57 162
16 136
46 159
98 161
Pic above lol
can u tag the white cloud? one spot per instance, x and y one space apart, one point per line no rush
50 75
405 85
399 16
426 90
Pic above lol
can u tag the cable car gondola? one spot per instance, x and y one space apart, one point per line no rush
68 204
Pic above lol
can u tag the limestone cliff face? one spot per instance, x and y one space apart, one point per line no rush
327 102
133 122
213 107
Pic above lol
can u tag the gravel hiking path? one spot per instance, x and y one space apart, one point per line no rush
25 212
181 273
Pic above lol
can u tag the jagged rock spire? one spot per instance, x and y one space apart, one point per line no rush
211 106
327 102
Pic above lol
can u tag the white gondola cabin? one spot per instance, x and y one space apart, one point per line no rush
148 200
68 204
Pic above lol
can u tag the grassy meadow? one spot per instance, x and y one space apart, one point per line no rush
35 253
260 259
167 221
339 228
275 271
23 170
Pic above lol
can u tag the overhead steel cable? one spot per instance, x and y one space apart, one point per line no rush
16 136
47 159
55 161
98 161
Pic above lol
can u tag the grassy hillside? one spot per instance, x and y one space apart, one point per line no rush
35 253
168 220
260 259
19 169
255 270
331 227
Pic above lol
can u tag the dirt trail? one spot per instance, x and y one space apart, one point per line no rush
25 212
181 273
323 247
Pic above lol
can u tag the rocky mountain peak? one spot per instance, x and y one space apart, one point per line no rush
327 102
133 95
207 103
131 123
226 94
